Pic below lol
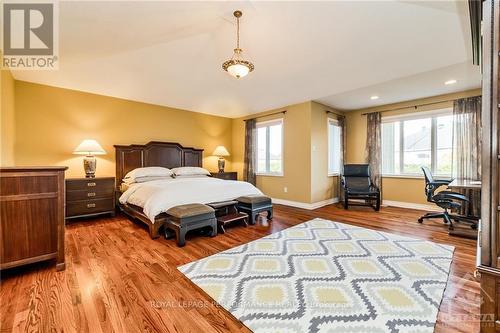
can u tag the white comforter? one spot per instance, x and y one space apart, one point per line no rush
158 196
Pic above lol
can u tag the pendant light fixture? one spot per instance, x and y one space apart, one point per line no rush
237 66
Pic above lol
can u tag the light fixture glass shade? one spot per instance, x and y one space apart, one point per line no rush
238 70
237 66
89 147
220 151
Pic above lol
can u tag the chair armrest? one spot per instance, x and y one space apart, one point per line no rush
450 196
433 186
438 183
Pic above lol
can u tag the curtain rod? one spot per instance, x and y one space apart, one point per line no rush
415 106
266 115
337 114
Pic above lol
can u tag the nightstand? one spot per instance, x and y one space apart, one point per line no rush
225 175
87 197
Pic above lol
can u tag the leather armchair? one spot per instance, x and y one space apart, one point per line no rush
357 184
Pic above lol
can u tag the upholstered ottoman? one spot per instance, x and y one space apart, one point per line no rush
184 218
254 204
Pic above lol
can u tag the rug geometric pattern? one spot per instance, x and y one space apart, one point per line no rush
324 276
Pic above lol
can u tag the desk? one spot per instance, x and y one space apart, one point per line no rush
465 184
466 187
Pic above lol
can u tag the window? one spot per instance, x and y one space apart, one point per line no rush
412 141
334 147
270 147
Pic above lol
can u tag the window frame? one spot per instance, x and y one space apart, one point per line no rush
433 115
267 124
335 122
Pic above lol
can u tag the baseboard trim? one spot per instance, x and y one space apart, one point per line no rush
411 205
319 204
305 205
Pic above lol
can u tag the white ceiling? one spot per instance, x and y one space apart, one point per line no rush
338 53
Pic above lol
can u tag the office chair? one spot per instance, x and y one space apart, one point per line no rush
447 200
356 184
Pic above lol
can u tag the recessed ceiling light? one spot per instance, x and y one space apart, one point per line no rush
374 97
450 82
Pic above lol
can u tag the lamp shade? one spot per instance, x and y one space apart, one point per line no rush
89 147
220 151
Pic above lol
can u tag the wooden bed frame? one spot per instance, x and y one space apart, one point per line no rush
154 153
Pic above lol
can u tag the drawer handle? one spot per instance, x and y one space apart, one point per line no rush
91 194
91 184
91 205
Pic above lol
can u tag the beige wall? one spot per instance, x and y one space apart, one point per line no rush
305 170
51 122
323 186
296 153
7 120
395 189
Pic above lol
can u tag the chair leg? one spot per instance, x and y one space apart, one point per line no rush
270 214
252 219
346 202
214 228
181 237
431 216
377 204
447 218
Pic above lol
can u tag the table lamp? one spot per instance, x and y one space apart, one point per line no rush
221 151
89 148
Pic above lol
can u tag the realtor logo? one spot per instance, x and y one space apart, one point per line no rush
29 36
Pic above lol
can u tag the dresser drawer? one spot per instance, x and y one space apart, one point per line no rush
31 183
91 184
85 207
90 193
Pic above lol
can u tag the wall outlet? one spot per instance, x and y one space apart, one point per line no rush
285 189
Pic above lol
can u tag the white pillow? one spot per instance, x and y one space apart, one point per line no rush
190 176
190 171
132 176
145 179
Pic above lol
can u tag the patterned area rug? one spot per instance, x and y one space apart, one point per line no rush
323 276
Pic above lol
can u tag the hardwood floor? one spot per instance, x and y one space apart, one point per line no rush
118 279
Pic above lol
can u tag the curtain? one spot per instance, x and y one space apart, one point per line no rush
250 151
373 150
467 148
343 141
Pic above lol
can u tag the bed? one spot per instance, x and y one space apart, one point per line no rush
147 202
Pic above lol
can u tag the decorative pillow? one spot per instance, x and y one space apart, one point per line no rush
132 176
190 171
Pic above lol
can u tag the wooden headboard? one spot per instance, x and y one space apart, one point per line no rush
154 153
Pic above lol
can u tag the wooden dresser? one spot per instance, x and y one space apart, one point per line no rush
86 197
31 215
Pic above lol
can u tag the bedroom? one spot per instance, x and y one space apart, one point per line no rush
324 77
